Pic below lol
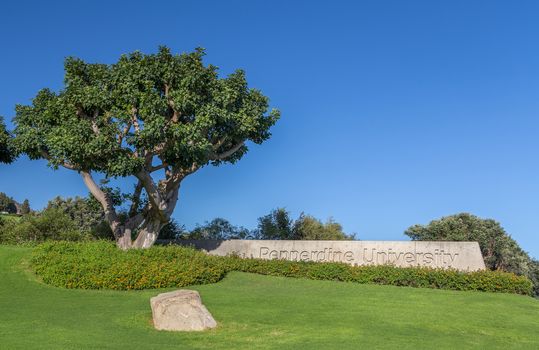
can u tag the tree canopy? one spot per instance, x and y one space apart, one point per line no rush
500 251
276 225
146 113
279 225
7 204
6 154
25 207
218 228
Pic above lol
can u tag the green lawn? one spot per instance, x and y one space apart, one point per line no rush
261 312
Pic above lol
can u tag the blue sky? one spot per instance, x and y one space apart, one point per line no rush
393 112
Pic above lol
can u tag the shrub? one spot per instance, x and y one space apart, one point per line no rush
52 224
100 265
487 281
86 213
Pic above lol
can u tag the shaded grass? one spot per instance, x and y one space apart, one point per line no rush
262 312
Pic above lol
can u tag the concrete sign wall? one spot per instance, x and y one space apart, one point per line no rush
465 256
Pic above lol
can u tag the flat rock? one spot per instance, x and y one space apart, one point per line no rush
181 310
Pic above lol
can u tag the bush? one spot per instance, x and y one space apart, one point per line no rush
486 281
52 224
100 265
86 213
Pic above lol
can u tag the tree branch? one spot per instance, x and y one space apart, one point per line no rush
134 119
158 167
134 221
95 128
65 164
174 177
175 114
83 114
135 201
219 143
122 134
104 200
228 153
154 195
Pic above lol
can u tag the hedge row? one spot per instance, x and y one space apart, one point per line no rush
100 265
422 277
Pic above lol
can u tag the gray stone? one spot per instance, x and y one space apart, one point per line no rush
463 256
181 310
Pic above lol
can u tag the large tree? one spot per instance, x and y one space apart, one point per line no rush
6 155
164 113
500 251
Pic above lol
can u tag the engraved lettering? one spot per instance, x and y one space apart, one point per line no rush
452 257
264 251
337 255
304 256
365 255
320 256
409 258
401 254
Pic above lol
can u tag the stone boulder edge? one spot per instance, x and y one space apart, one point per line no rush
181 310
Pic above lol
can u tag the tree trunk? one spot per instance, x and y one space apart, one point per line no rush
124 241
147 233
147 223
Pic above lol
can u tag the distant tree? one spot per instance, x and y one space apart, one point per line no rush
140 115
218 228
278 225
25 207
307 227
78 209
172 230
6 152
51 224
86 213
275 225
500 251
7 204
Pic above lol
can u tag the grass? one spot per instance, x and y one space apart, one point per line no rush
262 312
